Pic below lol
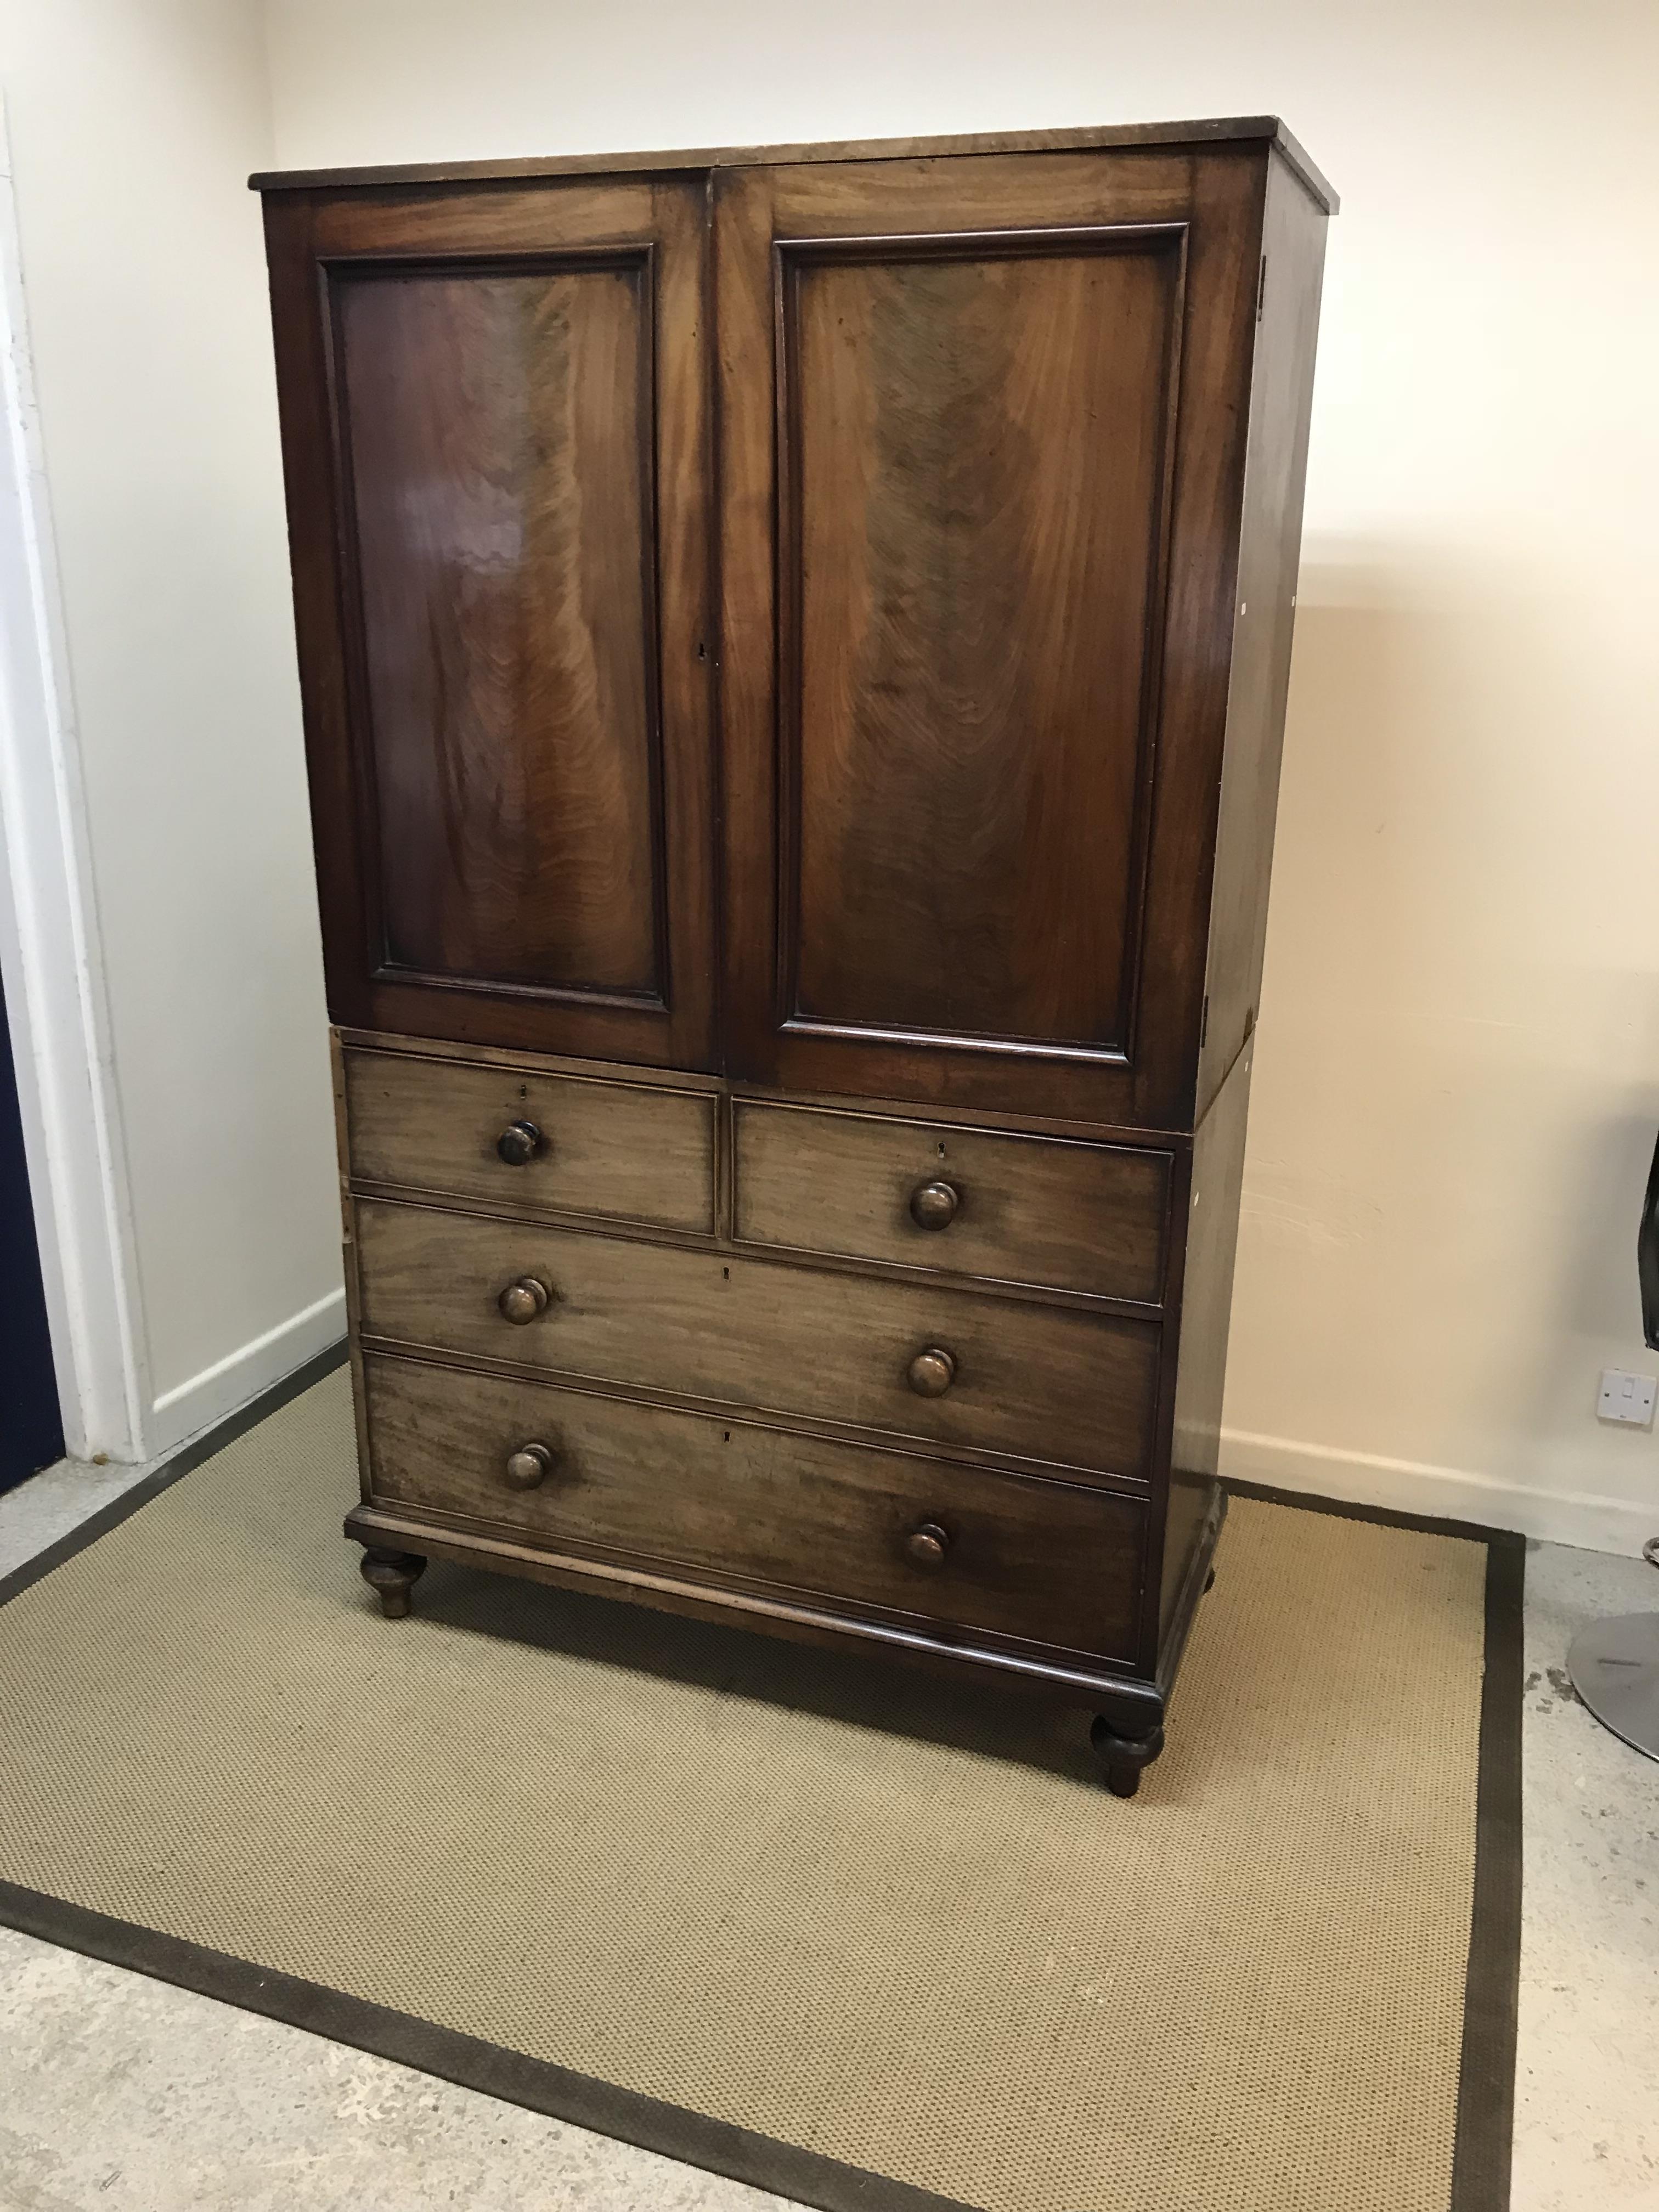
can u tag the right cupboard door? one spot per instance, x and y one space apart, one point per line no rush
982 445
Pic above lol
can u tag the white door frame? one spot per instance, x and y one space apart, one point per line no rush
51 954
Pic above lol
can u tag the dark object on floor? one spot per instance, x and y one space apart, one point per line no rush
1647 1256
1614 1664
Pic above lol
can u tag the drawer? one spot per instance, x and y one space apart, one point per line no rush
1046 1383
1049 1562
1012 1209
621 1151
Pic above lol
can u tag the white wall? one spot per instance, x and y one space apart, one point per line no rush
1458 1072
132 129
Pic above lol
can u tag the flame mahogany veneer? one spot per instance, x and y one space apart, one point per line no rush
794 645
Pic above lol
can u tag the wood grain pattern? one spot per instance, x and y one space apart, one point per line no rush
1211 130
1061 1677
498 427
348 1254
624 1151
497 455
1269 554
868 808
975 440
1089 1218
1053 1563
621 1072
1200 1345
537 1063
1046 1384
969 474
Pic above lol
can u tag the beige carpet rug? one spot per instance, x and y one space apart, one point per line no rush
808 1920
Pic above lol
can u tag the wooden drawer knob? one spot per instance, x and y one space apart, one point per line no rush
932 1372
926 1546
933 1204
519 1143
521 1302
529 1465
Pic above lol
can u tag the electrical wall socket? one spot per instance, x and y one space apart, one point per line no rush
1627 1398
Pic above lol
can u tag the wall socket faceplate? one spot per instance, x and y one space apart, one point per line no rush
1627 1398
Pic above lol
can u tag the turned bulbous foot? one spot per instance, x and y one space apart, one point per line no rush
391 1576
1123 1757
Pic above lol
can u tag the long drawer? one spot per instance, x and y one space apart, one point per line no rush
1013 1209
528 1139
959 1368
956 1547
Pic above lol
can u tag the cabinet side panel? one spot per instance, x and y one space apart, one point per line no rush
348 1254
1205 1311
1270 548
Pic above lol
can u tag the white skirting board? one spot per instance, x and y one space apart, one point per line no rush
191 1406
1582 1518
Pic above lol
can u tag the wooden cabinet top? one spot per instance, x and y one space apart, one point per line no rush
1212 131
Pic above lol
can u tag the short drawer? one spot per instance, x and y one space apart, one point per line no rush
1019 1210
735 1502
1044 1383
532 1140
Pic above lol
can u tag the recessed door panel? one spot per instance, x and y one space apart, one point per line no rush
497 429
977 453
497 424
976 592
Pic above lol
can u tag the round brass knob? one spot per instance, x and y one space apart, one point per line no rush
933 1204
529 1465
519 1143
522 1301
932 1372
925 1546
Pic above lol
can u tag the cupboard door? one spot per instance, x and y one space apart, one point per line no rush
496 419
981 451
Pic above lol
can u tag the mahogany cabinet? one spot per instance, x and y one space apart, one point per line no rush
794 645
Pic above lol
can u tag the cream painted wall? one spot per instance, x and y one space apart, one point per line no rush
1458 1076
133 128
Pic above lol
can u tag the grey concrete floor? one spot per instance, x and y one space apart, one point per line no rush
121 2094
1587 2069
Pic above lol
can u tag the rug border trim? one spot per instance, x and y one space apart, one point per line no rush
491 2068
1483 2133
1482 2140
1486 2095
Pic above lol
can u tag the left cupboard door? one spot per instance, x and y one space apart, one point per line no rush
496 432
